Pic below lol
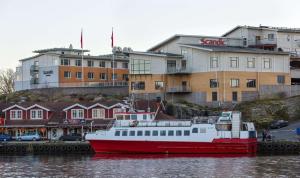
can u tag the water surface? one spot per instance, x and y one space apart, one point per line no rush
149 166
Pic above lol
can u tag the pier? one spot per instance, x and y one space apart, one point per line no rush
22 148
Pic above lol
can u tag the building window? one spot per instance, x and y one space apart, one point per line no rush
78 75
251 62
137 85
213 83
65 62
244 41
78 62
90 63
271 37
67 74
125 77
214 96
234 83
184 53
234 62
77 113
267 63
125 65
280 79
159 85
234 96
113 64
116 110
102 64
139 66
36 114
251 83
98 113
102 76
214 62
15 114
114 76
90 75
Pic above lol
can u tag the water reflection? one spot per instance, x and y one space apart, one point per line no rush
149 166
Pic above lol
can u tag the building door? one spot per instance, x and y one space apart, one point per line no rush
234 96
184 85
257 39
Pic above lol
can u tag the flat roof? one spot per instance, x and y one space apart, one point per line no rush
60 49
159 54
181 35
234 49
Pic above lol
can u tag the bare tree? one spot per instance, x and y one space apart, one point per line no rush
7 81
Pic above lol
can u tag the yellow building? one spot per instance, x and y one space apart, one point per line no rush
206 70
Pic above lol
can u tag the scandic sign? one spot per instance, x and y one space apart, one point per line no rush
218 42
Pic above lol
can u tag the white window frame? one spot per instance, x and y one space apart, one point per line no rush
98 113
214 62
80 75
36 114
16 111
267 61
105 76
251 61
77 113
69 74
234 62
234 83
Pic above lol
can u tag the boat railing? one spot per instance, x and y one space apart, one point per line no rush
110 124
154 124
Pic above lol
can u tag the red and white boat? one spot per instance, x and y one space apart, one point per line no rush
139 132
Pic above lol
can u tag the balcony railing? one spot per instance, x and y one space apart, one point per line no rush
179 89
184 70
266 41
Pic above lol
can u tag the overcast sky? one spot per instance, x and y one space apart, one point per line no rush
27 25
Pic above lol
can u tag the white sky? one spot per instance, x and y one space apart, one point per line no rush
27 25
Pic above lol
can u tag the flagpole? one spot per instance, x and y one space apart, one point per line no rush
113 57
82 76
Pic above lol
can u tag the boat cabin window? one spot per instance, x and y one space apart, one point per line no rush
132 133
223 127
119 117
139 133
124 133
155 133
134 117
178 132
147 133
195 130
202 130
162 133
186 133
127 117
117 133
145 117
171 133
225 114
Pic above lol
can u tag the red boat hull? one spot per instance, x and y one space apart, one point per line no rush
218 146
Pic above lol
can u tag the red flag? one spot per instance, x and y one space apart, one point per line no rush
81 40
112 38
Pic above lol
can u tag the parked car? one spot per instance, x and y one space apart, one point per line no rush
29 137
278 124
71 137
5 137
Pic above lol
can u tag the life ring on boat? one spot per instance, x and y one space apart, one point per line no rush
133 123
